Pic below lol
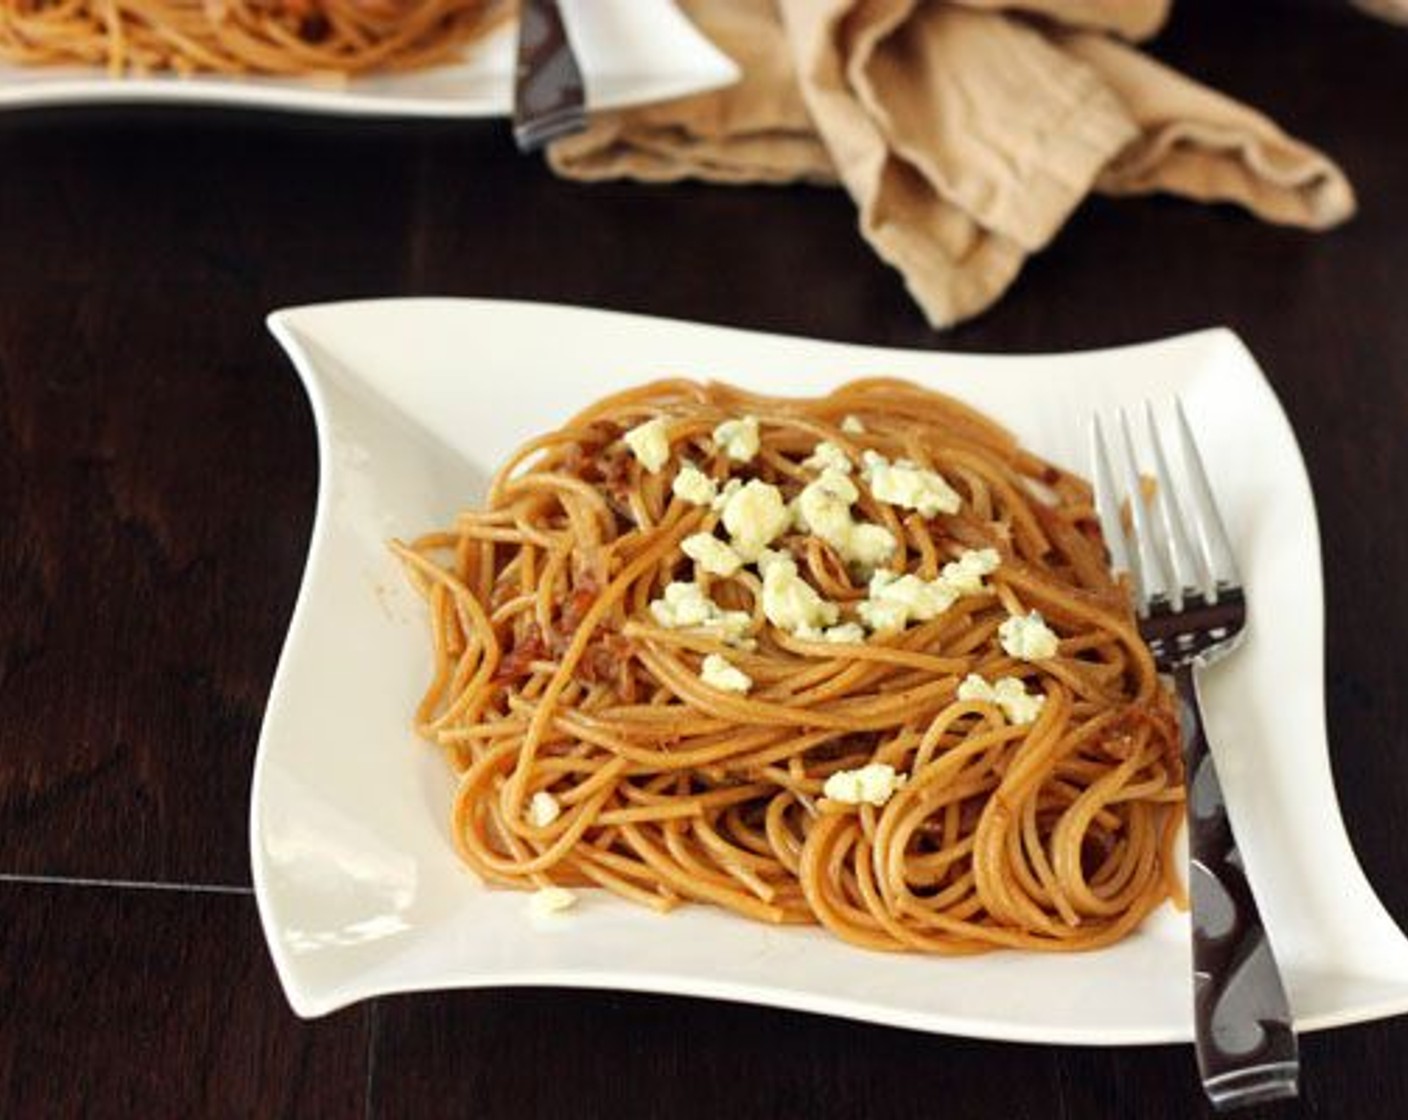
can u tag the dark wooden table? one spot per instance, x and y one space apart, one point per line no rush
157 477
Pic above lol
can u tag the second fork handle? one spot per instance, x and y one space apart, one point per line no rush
548 92
1245 1037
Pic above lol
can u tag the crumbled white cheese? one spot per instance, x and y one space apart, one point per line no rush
1027 637
770 556
711 554
738 439
827 455
718 672
873 784
882 617
724 496
895 601
550 901
694 486
755 516
869 546
841 633
543 809
1008 693
909 485
650 443
684 606
790 602
964 576
845 633
851 425
823 508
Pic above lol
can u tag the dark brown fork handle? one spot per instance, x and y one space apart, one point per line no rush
548 91
1245 1039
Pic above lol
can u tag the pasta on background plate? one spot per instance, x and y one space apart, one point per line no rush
855 660
318 39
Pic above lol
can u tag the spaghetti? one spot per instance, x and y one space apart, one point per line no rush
955 743
269 37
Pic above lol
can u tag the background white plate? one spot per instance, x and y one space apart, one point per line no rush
358 887
631 51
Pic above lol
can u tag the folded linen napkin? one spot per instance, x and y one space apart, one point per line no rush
966 130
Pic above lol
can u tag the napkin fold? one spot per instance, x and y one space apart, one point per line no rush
966 131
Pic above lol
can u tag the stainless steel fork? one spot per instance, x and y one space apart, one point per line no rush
1192 612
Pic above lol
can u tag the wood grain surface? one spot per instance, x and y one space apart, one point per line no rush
157 477
123 1002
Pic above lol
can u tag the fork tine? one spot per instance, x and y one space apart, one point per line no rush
1212 533
1153 575
1107 503
1187 572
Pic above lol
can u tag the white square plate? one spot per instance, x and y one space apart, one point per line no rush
359 889
631 52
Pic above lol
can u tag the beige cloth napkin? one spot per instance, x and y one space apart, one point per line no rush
966 130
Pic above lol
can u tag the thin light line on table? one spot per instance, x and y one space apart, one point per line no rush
127 884
1062 1111
369 1099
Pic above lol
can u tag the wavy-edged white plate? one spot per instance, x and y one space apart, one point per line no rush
359 889
631 51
